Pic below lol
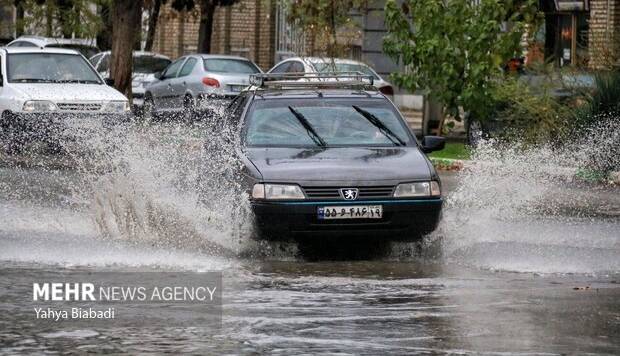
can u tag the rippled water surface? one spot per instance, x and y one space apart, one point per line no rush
526 260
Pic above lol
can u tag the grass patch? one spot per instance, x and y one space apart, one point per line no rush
453 150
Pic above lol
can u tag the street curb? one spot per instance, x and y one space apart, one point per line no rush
447 164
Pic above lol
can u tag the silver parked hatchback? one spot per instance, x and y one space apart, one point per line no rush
191 82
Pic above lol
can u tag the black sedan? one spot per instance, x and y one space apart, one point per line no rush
335 160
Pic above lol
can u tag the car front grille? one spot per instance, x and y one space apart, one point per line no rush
79 106
375 192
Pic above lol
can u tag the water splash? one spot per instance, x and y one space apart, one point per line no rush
169 184
523 208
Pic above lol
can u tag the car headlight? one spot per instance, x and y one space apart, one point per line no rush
39 106
117 106
417 189
277 192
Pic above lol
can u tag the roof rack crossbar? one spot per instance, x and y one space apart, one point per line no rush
302 79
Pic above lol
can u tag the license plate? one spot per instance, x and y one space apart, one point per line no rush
237 88
350 212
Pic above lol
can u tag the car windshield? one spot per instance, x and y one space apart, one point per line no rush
149 64
49 68
324 122
324 67
223 65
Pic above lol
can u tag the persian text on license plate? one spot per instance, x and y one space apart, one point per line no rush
351 212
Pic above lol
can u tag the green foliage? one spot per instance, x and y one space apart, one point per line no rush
454 48
530 114
603 102
453 150
323 19
62 18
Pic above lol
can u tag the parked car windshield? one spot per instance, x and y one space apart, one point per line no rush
149 64
224 65
49 68
324 122
323 67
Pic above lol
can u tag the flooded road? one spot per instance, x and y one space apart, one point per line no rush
521 264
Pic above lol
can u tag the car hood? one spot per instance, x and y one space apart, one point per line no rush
345 165
68 92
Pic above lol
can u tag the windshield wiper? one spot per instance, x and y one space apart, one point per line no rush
78 81
31 80
311 132
381 126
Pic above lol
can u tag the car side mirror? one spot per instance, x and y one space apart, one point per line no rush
433 143
157 75
109 81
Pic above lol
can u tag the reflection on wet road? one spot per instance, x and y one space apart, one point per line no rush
501 275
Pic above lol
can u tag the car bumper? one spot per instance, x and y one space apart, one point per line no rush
39 125
403 219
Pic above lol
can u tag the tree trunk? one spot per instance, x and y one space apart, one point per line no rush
153 19
19 17
126 16
207 10
65 7
49 19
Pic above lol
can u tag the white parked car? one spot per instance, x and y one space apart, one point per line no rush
40 88
145 65
327 65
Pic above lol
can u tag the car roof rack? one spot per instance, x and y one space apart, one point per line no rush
305 80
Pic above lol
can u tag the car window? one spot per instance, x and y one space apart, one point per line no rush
104 65
49 68
225 65
86 50
149 64
172 69
281 68
323 67
22 44
336 121
295 67
95 59
188 67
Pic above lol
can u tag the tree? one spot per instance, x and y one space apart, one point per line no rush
70 17
455 48
207 10
126 25
322 19
154 9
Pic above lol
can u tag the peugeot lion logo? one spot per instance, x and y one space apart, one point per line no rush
349 193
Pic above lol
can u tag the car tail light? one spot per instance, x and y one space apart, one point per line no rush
210 82
387 90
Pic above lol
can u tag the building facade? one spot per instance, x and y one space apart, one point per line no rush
246 29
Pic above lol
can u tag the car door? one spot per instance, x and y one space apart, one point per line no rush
180 84
161 91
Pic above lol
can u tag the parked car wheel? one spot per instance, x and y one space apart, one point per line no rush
147 109
189 108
